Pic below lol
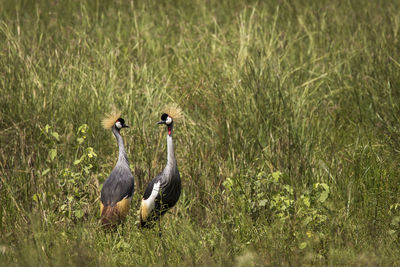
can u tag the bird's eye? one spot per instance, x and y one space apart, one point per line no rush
168 121
118 125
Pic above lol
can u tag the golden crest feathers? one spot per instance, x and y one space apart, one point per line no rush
174 112
110 119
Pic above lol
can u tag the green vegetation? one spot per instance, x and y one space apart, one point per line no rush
289 152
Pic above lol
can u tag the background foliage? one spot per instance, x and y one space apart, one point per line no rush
289 152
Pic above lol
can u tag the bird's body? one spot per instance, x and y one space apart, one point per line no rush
118 189
163 192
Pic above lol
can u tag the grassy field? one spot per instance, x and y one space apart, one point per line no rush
289 151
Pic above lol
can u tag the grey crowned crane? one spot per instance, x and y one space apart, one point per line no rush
164 190
118 189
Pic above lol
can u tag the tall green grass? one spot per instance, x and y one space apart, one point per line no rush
289 151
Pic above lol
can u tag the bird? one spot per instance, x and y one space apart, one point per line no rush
118 189
163 192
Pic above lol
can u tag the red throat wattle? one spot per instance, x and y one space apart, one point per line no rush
169 130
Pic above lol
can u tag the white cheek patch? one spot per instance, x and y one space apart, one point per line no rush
118 125
168 121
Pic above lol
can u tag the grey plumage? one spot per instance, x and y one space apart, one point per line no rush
120 183
170 185
170 190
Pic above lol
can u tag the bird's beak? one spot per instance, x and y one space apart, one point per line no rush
161 122
125 126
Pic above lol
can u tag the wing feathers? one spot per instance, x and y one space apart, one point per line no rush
148 204
120 184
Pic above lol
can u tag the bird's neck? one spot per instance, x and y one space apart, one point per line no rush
122 157
171 160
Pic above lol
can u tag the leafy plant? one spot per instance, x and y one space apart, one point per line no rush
77 185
